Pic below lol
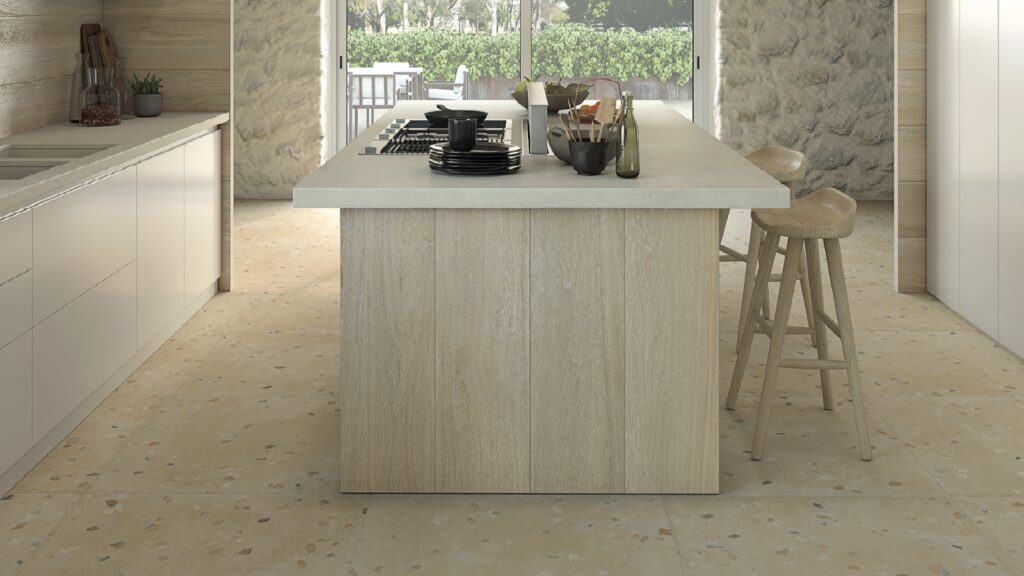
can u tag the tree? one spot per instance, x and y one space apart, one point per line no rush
638 14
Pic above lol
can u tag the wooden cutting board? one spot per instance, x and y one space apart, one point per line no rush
88 30
107 51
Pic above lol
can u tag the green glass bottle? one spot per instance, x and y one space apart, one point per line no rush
627 165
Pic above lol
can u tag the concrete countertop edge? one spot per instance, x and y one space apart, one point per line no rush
80 171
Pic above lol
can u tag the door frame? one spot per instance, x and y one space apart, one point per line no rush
335 28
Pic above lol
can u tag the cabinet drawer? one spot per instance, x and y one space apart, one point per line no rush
15 401
77 349
202 214
15 245
15 308
80 238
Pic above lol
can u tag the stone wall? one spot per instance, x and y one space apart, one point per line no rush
278 130
817 76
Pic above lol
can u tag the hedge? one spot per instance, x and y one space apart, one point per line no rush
566 51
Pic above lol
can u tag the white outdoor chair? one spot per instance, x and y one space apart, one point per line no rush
369 93
403 81
450 90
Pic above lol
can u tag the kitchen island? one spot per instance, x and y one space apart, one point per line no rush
539 332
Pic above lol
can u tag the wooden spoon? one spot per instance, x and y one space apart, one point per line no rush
568 127
605 115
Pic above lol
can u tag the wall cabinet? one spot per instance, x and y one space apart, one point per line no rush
80 238
16 406
202 214
161 241
976 177
90 279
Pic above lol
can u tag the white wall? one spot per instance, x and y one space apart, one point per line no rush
976 163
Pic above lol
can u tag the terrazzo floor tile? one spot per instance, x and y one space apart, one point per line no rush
25 520
1002 521
86 455
270 365
806 536
515 535
170 366
973 447
200 535
957 364
810 451
232 445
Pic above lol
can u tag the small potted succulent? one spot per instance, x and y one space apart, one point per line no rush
147 100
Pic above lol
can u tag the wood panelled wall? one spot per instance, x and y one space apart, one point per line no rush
38 41
911 168
188 44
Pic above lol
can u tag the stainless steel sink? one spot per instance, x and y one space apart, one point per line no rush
43 151
18 169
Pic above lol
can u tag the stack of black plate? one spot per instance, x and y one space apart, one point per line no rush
485 159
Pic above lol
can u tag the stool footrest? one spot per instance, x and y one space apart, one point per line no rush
736 255
812 364
832 324
764 326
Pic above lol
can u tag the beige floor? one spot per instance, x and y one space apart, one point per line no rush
219 456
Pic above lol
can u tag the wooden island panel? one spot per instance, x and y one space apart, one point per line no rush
482 351
387 360
671 351
577 351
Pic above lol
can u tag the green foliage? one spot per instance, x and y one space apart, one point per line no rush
560 51
149 85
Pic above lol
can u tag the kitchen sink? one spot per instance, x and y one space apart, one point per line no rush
16 170
48 151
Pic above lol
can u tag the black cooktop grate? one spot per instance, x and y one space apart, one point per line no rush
416 136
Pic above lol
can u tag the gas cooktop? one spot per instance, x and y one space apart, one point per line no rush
416 136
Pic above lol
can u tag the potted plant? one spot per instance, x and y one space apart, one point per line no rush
147 98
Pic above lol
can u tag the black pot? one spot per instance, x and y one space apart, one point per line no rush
589 158
439 118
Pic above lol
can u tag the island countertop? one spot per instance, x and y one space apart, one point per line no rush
681 167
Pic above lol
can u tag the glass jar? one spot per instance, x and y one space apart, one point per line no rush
101 98
77 84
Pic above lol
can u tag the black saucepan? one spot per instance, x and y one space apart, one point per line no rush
439 118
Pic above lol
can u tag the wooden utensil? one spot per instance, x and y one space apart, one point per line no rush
86 31
568 126
107 51
605 115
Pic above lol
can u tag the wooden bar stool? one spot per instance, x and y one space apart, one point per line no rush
789 167
825 215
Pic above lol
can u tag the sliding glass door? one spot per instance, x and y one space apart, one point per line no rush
451 50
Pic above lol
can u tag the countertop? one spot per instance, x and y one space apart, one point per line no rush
130 142
681 166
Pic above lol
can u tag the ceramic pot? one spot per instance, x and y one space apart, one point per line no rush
148 105
589 158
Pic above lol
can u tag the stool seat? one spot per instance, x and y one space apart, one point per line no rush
783 164
825 213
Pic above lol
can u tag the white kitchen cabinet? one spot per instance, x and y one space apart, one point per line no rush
1011 175
161 241
80 238
77 349
202 214
15 400
943 206
15 276
979 164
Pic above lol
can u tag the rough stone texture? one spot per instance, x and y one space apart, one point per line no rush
277 95
817 76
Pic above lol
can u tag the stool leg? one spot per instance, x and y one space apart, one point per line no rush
723 219
753 256
818 303
764 270
794 248
835 273
805 292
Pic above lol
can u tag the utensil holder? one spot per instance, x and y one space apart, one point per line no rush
589 158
